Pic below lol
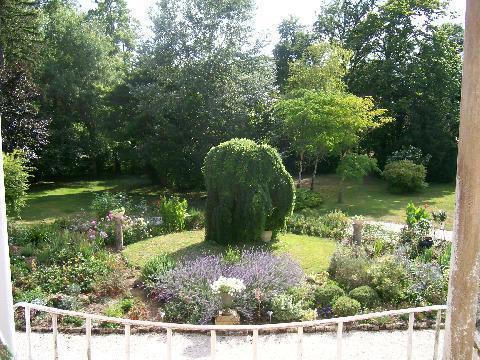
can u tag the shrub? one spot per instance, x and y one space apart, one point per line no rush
105 202
186 296
307 199
16 174
345 306
428 283
365 295
154 268
335 225
173 212
332 225
415 214
285 308
249 191
389 279
327 294
349 267
304 294
134 229
195 219
404 176
411 153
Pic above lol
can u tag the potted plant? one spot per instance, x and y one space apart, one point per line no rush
227 288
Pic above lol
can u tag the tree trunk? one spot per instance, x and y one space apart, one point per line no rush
340 191
465 261
312 183
300 170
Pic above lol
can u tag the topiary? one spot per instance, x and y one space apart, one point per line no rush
327 294
405 176
365 295
345 306
248 190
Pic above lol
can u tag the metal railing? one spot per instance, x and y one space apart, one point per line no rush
254 329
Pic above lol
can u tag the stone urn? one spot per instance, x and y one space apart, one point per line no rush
267 235
227 300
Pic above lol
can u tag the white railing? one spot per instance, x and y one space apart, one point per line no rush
254 329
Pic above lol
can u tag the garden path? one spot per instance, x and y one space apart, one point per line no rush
398 227
358 345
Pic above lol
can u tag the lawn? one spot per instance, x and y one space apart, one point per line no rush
371 199
311 252
48 201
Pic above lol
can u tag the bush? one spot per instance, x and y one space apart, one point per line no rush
195 219
134 229
332 225
307 199
405 176
249 191
428 283
389 279
185 294
154 268
327 294
349 267
173 212
304 294
106 201
365 295
345 306
410 153
16 174
285 308
335 225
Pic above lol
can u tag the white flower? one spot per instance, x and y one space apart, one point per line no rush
230 286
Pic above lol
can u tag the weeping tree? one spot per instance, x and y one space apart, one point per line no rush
249 191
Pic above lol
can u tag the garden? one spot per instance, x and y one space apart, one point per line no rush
258 250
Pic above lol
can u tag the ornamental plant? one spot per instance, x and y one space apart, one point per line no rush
230 286
405 176
249 191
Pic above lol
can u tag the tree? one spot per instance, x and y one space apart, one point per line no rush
200 82
248 191
411 65
294 40
77 74
354 166
328 122
22 127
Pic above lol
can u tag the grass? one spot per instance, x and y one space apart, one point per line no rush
372 199
49 201
311 252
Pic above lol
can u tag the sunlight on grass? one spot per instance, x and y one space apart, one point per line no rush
311 252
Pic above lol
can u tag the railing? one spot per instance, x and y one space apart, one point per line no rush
254 329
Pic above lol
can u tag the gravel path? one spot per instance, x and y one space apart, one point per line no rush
357 345
398 227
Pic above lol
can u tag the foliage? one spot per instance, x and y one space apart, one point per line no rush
356 166
404 176
411 153
285 308
23 128
106 201
307 199
429 284
389 279
333 225
415 214
327 294
185 292
173 212
439 216
195 219
365 295
194 90
415 73
16 175
345 306
249 191
304 294
349 267
155 267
